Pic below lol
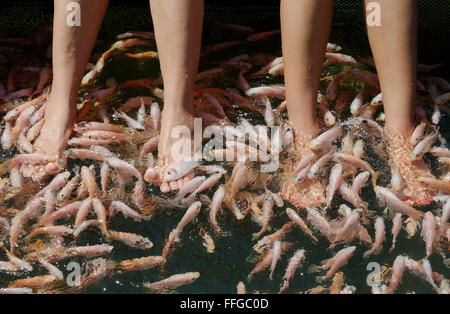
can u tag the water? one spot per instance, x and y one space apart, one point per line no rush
233 257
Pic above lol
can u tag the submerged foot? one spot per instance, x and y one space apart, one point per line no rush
52 140
410 170
170 150
307 192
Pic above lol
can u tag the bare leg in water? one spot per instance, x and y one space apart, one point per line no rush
72 47
394 47
305 27
178 29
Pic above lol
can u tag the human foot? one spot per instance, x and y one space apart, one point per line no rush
399 151
170 149
52 140
307 192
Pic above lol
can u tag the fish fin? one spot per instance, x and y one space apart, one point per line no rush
320 279
367 253
375 176
313 269
392 247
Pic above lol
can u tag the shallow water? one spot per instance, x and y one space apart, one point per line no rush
234 258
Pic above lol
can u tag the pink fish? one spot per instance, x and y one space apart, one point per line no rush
324 140
423 146
269 91
379 238
429 232
294 263
215 206
335 180
394 203
396 226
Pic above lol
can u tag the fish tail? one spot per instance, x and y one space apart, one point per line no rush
392 247
367 253
319 279
375 176
313 269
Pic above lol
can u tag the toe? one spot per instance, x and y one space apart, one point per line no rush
152 176
173 185
51 168
165 187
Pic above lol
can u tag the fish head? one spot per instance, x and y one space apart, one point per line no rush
171 174
422 180
414 155
314 145
193 276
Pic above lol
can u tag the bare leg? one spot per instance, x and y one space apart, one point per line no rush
178 29
305 27
394 46
72 47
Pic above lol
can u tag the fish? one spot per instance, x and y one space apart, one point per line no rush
357 102
51 230
141 263
22 264
178 170
237 28
398 269
333 85
351 223
294 263
341 258
428 272
340 58
266 215
358 163
394 203
325 139
314 169
173 281
130 121
127 211
396 226
358 149
445 217
359 181
275 257
293 216
130 239
262 265
240 288
379 238
174 235
429 232
335 180
431 182
319 222
215 206
338 282
277 91
423 146
268 241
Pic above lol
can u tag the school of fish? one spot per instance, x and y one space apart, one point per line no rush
115 140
